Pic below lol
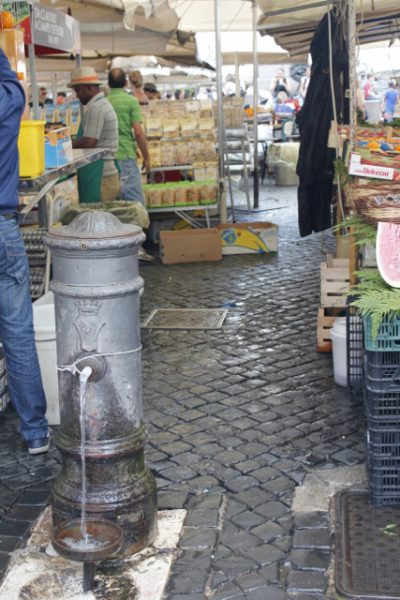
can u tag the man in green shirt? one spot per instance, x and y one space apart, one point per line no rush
131 133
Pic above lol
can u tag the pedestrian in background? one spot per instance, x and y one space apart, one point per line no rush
279 83
130 133
16 319
151 91
390 101
304 81
370 88
136 80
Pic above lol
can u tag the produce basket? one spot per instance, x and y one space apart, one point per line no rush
378 208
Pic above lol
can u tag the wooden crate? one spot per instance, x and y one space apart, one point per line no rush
335 282
324 324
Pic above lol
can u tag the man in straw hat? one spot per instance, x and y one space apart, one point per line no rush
99 181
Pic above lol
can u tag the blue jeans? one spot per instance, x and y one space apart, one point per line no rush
17 336
131 180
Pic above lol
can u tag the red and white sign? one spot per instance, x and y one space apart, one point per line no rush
357 167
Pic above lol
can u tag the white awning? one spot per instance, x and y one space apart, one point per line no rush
292 22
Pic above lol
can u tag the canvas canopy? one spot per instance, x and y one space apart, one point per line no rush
292 22
106 31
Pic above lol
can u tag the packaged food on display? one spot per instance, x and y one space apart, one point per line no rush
171 128
196 150
206 108
167 154
181 196
182 153
211 170
193 106
154 197
154 127
207 125
154 149
189 126
199 172
168 196
193 195
209 149
208 193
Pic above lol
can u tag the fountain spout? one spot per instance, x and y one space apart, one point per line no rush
96 287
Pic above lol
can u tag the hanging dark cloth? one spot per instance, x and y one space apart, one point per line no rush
315 163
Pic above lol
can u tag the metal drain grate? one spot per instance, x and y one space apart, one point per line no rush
367 548
185 318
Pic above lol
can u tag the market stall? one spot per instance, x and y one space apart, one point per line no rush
362 280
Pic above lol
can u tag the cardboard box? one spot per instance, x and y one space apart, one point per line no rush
57 147
192 245
248 238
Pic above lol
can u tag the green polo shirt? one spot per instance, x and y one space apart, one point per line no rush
127 110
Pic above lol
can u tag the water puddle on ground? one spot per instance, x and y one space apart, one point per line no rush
38 573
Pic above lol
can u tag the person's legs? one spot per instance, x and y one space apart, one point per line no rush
17 336
131 181
132 191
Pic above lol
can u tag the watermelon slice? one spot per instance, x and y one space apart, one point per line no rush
388 253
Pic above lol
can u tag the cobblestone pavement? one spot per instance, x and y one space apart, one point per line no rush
236 418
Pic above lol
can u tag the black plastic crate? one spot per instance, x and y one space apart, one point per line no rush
383 464
382 368
383 442
383 408
382 386
355 349
384 486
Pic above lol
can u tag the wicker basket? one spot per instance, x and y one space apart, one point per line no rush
374 210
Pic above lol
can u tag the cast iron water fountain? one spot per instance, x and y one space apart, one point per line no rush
104 491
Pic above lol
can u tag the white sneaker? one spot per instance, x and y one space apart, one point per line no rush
143 255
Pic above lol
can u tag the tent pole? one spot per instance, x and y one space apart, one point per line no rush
237 74
256 190
34 87
351 16
220 108
32 70
54 87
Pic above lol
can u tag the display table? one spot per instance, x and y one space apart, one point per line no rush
39 187
182 212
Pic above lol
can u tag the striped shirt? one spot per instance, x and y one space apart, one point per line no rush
128 112
100 122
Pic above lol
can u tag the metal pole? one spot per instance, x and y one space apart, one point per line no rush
34 88
351 15
32 70
220 108
54 87
256 189
78 60
237 74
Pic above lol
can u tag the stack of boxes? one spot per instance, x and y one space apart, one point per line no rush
382 403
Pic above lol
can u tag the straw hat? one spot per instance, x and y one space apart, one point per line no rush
84 76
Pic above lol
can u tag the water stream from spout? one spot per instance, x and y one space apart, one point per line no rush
83 380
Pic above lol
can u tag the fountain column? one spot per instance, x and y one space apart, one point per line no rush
96 285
